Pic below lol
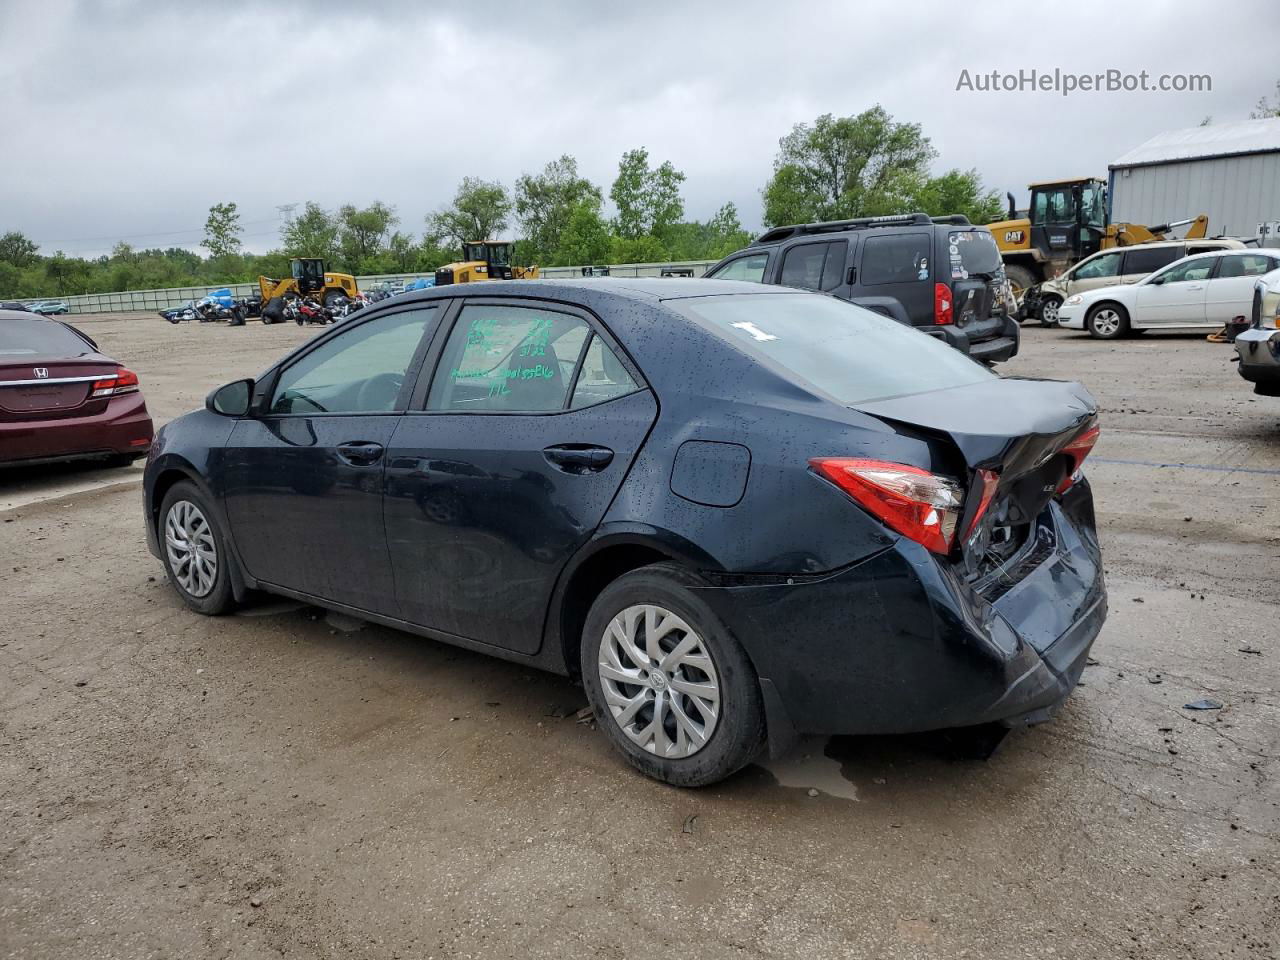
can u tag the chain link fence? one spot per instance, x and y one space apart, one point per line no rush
151 301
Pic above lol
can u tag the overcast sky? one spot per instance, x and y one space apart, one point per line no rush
126 120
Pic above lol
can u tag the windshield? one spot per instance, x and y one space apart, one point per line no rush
40 338
973 252
849 353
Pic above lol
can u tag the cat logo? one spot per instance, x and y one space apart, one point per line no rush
1013 236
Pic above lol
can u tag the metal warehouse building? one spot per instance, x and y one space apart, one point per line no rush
1230 171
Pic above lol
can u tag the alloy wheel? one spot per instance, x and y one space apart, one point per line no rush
1106 322
191 548
659 681
1049 313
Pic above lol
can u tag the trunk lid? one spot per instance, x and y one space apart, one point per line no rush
36 388
1016 428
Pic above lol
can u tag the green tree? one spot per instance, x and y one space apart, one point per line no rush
585 239
1264 109
544 204
841 167
644 249
956 191
648 200
313 233
16 248
402 252
479 212
362 234
222 230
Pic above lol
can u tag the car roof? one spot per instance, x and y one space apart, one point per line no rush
645 289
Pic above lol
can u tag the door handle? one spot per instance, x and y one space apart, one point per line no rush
360 453
1196 286
578 457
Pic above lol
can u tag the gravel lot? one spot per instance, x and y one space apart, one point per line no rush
290 783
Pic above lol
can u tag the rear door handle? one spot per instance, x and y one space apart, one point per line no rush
578 457
360 453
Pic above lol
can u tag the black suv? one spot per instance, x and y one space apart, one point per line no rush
942 275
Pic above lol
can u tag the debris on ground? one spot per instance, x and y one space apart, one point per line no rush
813 792
1206 703
1252 650
585 715
689 823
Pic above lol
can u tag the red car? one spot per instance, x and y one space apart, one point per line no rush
60 399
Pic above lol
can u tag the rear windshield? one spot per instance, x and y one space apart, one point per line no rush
972 253
42 338
849 353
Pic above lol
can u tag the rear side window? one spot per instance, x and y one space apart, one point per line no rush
744 268
814 266
1245 265
40 338
602 377
845 351
903 258
1146 261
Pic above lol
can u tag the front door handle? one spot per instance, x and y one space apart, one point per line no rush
1196 286
360 453
578 457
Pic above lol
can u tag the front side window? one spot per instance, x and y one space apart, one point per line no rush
802 266
508 359
358 371
843 350
1198 269
1093 201
1052 205
744 268
1142 261
897 259
1106 265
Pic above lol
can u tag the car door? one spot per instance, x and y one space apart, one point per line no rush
1230 291
818 266
1173 297
304 475
506 464
1100 270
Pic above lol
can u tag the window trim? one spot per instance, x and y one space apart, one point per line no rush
595 326
264 389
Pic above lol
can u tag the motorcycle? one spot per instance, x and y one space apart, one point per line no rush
307 311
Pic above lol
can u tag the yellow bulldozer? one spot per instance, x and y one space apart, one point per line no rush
1068 221
310 277
484 260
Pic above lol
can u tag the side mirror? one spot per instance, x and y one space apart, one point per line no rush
231 400
1157 281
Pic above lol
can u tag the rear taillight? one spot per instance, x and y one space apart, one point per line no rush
125 381
916 503
990 481
943 308
1077 450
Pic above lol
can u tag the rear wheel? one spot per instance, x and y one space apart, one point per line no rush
670 686
194 552
1049 311
332 298
1107 321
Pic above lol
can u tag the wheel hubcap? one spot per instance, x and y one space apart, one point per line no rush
659 681
1049 312
1106 321
192 551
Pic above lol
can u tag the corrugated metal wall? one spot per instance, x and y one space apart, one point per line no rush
1236 192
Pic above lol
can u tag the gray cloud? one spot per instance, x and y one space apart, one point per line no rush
129 119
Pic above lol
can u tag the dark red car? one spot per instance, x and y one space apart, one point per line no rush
60 399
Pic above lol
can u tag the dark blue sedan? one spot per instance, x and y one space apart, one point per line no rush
736 513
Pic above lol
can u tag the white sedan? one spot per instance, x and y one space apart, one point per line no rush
1206 290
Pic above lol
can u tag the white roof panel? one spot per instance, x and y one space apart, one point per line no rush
1215 140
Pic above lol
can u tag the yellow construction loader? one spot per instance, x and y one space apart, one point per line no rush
484 260
1068 221
310 278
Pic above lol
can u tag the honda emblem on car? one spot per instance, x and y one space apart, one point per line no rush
42 373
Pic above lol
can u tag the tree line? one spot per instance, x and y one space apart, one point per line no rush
833 168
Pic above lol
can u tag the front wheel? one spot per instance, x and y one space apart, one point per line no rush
1107 321
1049 311
194 552
671 688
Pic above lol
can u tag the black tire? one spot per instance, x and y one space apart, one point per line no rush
1020 278
119 460
219 599
273 310
739 729
1107 321
332 297
1048 312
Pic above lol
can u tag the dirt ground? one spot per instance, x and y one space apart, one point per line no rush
289 783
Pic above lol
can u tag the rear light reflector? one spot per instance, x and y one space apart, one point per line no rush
1077 450
943 308
125 381
920 505
990 480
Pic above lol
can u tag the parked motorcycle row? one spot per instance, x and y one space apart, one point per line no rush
220 306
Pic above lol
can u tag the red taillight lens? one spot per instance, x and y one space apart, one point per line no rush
990 481
125 381
943 308
916 503
1077 450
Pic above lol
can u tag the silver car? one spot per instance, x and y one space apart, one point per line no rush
1259 346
